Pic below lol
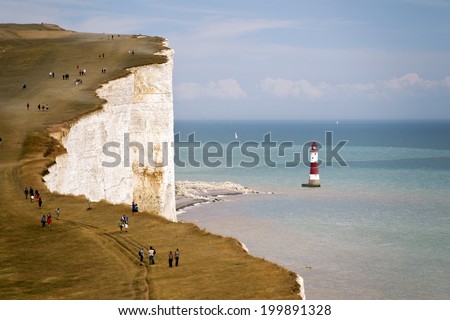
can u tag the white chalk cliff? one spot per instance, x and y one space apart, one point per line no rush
124 152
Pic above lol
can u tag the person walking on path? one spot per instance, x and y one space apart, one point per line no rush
40 202
31 194
43 220
123 222
177 257
170 259
134 208
57 212
141 256
26 192
151 255
126 224
49 219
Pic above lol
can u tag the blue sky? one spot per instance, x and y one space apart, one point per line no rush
284 59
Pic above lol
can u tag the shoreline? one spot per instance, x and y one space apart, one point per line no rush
188 194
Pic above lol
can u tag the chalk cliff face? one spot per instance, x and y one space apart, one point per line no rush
124 152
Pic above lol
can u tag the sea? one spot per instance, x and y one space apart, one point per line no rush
377 228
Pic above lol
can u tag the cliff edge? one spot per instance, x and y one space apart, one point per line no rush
123 153
84 252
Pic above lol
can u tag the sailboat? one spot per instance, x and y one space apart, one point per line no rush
235 135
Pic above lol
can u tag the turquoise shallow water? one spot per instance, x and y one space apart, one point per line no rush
376 229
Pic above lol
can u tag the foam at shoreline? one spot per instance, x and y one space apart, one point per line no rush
302 287
189 193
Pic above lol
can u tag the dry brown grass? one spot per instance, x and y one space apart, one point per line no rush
84 255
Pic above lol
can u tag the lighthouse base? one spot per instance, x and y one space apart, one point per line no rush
309 185
312 183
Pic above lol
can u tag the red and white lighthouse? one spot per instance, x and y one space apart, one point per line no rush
314 179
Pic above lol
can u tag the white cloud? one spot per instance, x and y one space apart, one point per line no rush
446 82
409 80
224 89
398 84
230 89
408 84
290 88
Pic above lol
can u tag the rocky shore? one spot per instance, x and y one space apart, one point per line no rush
189 193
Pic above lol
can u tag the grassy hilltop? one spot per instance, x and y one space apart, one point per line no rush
84 255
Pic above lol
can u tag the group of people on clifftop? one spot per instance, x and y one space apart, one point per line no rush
152 254
78 81
123 223
46 220
34 195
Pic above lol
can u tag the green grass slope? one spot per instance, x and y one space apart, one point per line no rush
83 255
